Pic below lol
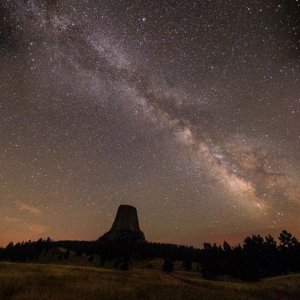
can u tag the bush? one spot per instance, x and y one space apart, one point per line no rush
124 266
168 266
187 264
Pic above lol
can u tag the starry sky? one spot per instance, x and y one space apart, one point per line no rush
188 110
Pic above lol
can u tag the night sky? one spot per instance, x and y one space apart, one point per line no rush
188 110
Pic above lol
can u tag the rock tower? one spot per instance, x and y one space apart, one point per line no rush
125 227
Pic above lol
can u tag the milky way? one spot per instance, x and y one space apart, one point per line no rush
187 110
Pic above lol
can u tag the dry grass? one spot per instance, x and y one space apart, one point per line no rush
58 282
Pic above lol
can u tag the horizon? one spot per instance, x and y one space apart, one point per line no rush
219 241
235 240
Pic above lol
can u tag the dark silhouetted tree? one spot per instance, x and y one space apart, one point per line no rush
187 264
168 265
124 265
67 254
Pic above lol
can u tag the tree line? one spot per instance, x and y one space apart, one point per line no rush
257 257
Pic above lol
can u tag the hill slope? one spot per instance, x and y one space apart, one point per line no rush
44 282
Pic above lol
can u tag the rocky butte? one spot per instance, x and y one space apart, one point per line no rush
125 227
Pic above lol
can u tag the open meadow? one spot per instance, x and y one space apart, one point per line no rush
62 282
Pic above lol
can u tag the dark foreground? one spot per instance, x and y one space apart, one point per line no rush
43 282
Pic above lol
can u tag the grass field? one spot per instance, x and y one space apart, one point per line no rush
57 282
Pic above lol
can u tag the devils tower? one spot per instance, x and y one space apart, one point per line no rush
125 227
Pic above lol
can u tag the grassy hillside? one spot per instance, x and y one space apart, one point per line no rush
57 282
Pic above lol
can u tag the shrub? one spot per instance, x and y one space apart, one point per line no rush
168 266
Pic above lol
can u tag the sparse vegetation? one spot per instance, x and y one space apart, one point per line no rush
60 282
